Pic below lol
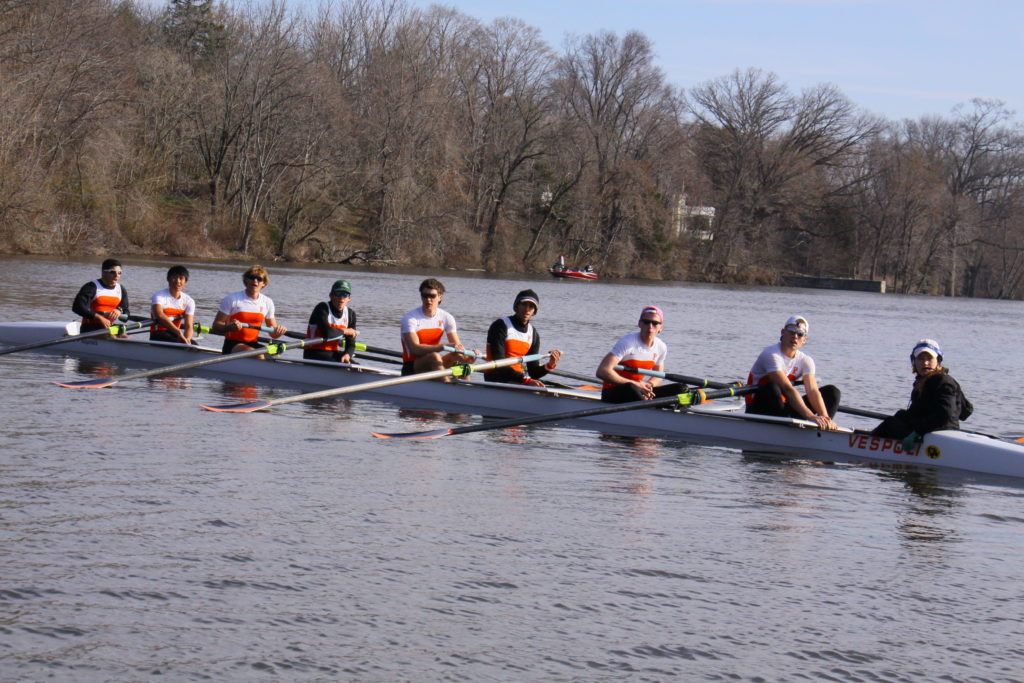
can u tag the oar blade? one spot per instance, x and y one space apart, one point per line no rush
432 434
88 383
250 407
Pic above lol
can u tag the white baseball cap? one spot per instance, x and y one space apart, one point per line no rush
797 323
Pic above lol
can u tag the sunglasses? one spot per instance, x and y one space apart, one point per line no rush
254 278
798 333
424 295
343 295
647 321
113 272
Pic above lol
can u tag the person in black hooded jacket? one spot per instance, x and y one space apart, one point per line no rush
937 401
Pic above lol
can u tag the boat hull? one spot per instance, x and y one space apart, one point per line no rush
570 274
709 425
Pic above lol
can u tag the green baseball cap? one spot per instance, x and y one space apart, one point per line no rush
341 286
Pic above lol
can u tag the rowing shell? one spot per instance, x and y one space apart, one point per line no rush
760 434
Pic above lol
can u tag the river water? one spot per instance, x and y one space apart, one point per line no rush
141 536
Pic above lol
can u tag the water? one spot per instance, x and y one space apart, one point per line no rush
141 536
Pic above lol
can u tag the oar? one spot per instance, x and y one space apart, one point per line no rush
114 330
573 375
359 345
685 379
560 373
454 371
863 413
687 399
271 349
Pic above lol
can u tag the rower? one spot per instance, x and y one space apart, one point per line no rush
641 350
514 336
242 313
423 329
936 402
335 321
778 367
101 302
173 302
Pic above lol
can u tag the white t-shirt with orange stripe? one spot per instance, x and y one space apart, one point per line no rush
182 305
428 329
632 352
240 306
772 359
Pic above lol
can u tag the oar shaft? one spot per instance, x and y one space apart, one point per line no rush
572 375
272 349
113 330
340 338
454 371
684 400
685 379
862 412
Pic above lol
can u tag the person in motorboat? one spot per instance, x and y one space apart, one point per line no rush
515 335
589 268
936 402
424 329
641 350
335 321
560 263
776 370
242 313
169 303
101 302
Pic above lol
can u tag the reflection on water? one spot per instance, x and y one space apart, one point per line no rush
140 535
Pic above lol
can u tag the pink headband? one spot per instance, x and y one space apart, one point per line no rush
653 309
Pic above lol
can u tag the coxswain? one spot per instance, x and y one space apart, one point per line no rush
172 302
936 402
515 336
242 313
101 302
640 350
335 321
778 367
424 328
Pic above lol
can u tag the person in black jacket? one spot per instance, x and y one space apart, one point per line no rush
514 335
335 321
937 401
101 302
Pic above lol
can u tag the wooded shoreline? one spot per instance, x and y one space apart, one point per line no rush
373 132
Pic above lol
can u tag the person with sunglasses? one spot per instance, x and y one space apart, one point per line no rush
936 402
515 335
424 328
776 370
335 321
241 314
640 350
101 302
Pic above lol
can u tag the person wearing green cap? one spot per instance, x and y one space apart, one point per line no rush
335 321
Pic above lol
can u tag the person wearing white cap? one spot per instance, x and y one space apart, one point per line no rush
778 367
515 335
936 402
640 350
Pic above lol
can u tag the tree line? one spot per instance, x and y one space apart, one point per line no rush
371 131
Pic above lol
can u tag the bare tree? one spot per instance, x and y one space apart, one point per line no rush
626 115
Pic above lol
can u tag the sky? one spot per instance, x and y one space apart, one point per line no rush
896 58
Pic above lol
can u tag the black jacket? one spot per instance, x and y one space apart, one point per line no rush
937 402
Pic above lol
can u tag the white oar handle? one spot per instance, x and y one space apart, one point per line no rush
464 352
640 371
